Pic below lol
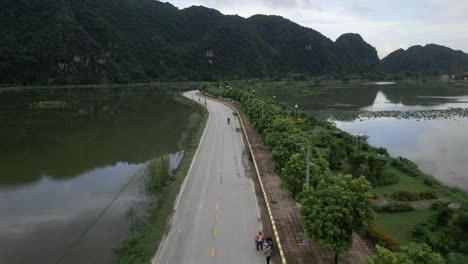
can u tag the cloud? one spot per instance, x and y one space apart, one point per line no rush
361 9
453 7
385 25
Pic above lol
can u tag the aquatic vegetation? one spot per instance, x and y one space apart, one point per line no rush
48 105
418 115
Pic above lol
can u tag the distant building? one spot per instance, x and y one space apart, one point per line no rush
460 76
444 77
209 53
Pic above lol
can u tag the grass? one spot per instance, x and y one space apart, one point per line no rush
392 223
142 244
406 183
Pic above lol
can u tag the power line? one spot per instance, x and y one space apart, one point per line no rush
94 222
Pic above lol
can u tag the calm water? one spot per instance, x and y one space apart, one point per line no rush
439 146
62 167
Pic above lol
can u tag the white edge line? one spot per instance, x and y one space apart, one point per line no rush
278 240
182 188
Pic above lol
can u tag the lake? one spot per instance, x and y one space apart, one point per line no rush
425 122
72 163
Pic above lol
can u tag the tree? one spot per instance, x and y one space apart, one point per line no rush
293 174
459 230
356 162
334 156
413 253
337 207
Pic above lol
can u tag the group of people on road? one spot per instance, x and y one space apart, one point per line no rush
264 245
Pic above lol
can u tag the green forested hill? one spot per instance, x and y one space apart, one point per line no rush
430 58
96 41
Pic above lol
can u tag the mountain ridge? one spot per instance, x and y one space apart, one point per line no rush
105 41
428 58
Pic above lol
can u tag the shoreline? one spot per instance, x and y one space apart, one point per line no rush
141 246
401 179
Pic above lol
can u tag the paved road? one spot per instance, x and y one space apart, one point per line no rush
216 217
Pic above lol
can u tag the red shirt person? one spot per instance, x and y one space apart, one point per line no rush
259 240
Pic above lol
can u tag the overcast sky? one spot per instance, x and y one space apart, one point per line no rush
385 24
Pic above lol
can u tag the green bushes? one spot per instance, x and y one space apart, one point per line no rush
378 236
414 196
394 207
446 232
411 253
430 182
407 166
286 141
373 169
382 151
157 174
387 178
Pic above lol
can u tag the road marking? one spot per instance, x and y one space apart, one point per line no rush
217 206
216 216
218 193
212 251
214 231
163 244
182 188
272 221
221 160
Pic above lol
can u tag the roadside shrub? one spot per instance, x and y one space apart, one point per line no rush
405 165
394 207
157 174
386 178
430 182
405 196
382 151
413 196
427 195
378 237
438 205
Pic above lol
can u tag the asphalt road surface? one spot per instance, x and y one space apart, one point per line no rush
216 216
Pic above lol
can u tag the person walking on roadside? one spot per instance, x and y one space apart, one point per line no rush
259 240
268 252
228 120
269 240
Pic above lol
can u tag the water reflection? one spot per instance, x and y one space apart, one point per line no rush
39 222
438 146
383 103
61 167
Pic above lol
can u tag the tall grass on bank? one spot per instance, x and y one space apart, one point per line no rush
147 231
157 174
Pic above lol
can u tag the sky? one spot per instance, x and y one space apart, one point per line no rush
385 24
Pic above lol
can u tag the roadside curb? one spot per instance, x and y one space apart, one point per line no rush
162 242
272 221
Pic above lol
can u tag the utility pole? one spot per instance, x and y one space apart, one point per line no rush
262 109
308 168
307 162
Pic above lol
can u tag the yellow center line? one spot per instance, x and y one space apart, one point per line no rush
221 160
218 192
